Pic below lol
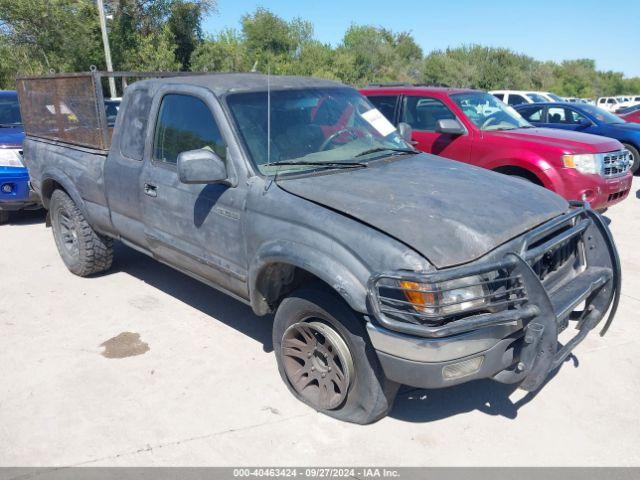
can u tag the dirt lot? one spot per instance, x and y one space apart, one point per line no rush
145 366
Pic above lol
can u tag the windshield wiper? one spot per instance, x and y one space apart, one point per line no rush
318 164
404 151
9 125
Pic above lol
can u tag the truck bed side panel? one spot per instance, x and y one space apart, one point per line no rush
79 171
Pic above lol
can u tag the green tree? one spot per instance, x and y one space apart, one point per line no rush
154 52
266 33
62 35
225 52
135 19
185 23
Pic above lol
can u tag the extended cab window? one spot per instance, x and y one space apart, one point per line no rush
422 113
185 123
386 104
499 96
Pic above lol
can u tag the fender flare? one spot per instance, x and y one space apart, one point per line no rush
532 167
318 263
57 176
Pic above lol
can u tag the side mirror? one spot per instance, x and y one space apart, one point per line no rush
405 131
583 122
201 166
450 126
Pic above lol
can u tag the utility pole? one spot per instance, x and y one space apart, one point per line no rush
107 50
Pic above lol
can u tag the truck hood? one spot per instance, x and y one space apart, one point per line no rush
11 137
566 140
449 212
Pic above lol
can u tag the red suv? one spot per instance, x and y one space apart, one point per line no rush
474 127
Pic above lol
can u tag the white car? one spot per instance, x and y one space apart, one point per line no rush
633 100
551 96
612 104
517 97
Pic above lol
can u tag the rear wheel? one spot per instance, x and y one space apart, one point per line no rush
4 217
83 250
325 358
635 157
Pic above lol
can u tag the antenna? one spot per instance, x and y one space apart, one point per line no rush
269 115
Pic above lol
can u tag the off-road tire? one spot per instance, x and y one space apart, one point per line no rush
4 217
94 252
636 157
370 394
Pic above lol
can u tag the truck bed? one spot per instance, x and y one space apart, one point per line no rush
80 170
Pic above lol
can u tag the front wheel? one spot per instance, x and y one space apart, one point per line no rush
83 250
326 359
635 157
4 217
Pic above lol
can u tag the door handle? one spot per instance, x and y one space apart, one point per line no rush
150 190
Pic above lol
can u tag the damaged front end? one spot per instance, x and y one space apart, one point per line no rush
498 317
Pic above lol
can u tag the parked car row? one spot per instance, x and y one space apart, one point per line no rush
587 119
517 97
475 127
382 265
617 104
520 97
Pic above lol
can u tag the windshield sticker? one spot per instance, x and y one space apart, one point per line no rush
379 122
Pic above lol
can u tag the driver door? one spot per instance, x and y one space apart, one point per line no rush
422 114
194 227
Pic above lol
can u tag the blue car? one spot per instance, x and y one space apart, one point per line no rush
15 193
585 118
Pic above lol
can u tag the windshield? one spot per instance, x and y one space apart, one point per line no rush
601 115
487 112
537 98
315 125
554 97
9 111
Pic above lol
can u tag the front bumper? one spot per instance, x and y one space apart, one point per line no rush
15 190
598 191
515 345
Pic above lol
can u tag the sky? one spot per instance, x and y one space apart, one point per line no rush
606 31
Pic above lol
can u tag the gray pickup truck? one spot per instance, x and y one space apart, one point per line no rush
382 265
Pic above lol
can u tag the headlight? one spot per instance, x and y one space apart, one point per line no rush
446 298
10 157
584 163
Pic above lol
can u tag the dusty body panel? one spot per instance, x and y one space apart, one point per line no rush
432 205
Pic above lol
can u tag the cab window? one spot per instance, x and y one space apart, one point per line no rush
185 123
386 104
423 113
